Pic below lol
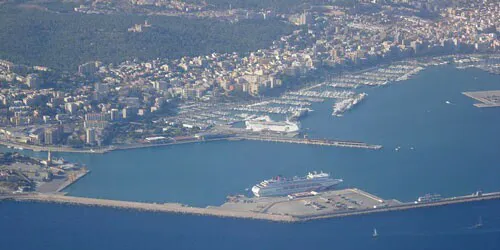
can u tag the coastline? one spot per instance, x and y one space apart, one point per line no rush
320 142
95 150
426 61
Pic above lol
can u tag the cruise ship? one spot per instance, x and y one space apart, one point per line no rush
280 186
266 124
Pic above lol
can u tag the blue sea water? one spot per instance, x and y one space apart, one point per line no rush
27 226
452 149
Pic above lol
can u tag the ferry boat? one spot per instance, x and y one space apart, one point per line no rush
280 186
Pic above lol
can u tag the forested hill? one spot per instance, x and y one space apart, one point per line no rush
65 40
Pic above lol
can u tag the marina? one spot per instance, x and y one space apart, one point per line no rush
341 89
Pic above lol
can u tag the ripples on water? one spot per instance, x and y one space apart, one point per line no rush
447 149
443 148
48 226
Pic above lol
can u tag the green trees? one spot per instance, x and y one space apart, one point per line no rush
63 41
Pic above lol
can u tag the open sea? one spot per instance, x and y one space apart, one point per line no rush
451 149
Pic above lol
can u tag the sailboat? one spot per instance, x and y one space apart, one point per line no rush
479 223
375 234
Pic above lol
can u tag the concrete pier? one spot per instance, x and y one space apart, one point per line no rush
267 138
488 99
151 207
319 142
330 204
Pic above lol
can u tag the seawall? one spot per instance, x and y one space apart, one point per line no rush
225 212
150 207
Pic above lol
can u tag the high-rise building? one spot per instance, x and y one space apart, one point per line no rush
129 112
96 117
90 136
100 91
52 135
89 68
70 107
115 114
305 18
34 81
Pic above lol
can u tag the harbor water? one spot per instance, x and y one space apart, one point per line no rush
435 141
27 226
429 147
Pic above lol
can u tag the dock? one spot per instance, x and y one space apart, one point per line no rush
232 137
80 174
57 185
313 206
141 206
319 142
487 99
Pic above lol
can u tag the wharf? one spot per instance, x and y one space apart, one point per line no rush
73 179
490 98
319 142
267 138
46 148
329 204
141 206
59 184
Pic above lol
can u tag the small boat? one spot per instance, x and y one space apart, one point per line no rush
448 102
479 223
375 234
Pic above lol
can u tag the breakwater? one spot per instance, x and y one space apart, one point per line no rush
487 99
407 206
332 204
141 206
280 139
319 142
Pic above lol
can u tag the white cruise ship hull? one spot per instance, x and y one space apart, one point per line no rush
292 188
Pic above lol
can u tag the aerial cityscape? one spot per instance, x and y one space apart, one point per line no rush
282 111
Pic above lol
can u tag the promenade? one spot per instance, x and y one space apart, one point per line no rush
266 138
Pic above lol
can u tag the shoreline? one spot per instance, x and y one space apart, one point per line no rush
320 142
94 150
115 147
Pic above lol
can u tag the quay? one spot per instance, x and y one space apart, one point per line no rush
313 206
46 148
70 181
231 137
488 99
319 142
57 185
141 206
